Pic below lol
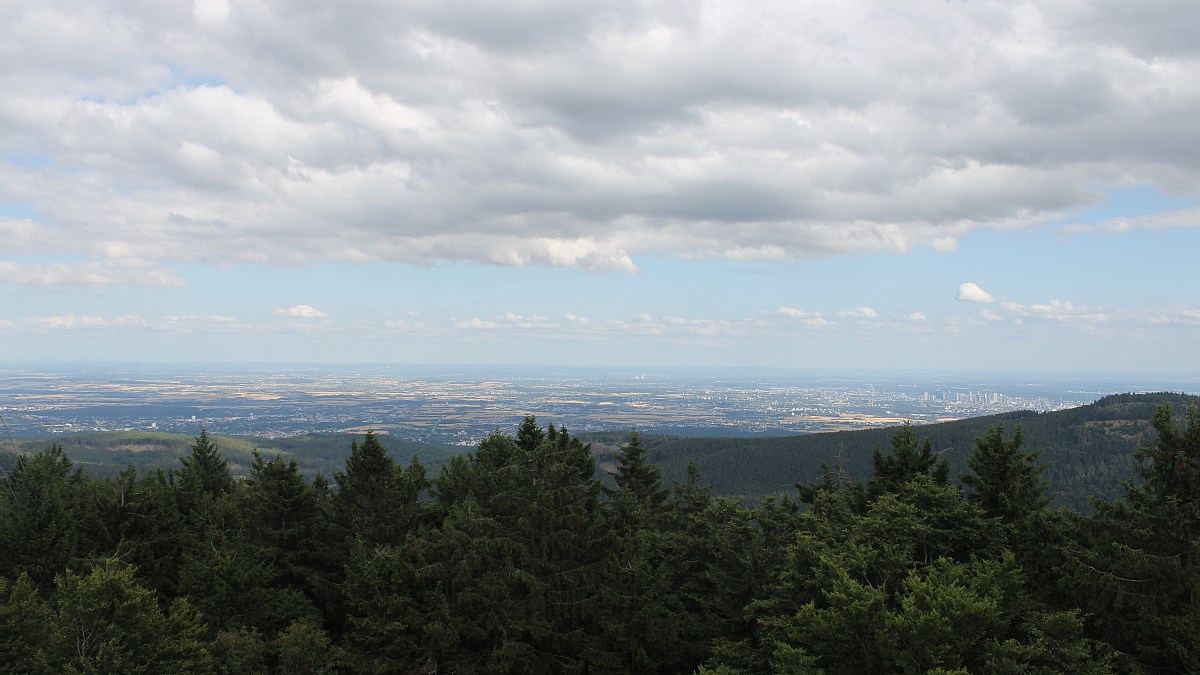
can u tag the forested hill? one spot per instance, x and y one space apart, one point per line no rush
1087 451
108 453
515 558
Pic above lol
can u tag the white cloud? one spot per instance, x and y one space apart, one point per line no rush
190 323
475 323
916 316
67 322
971 292
807 318
944 244
794 313
1166 220
526 322
1060 310
537 134
860 313
89 274
301 312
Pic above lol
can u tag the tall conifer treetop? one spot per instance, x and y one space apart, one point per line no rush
205 471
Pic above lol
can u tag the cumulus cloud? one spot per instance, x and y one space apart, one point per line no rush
916 316
584 136
301 312
971 292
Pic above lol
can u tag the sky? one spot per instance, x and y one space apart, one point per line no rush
987 186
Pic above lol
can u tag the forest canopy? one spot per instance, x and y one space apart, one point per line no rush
518 557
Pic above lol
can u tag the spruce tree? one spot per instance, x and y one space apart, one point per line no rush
1005 480
376 500
1138 568
908 460
205 472
40 510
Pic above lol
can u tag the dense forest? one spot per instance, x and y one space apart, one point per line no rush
518 558
1086 451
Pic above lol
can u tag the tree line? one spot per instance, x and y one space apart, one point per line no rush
517 558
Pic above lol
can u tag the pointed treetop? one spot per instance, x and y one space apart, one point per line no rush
908 459
205 471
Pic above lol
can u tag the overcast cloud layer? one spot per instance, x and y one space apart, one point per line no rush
141 134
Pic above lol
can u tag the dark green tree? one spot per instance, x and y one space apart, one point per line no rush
1005 480
285 520
530 435
637 607
1136 568
515 564
376 501
153 532
106 622
907 460
40 511
205 473
639 480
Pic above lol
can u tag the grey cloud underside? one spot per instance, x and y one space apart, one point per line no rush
581 135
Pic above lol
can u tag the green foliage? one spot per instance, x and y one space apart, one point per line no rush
305 649
205 473
286 522
908 460
639 480
1086 451
1136 564
377 500
535 509
515 559
27 627
239 652
1004 480
104 622
41 509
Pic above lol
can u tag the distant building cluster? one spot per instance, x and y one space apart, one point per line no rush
463 408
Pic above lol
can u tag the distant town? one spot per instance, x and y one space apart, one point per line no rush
462 404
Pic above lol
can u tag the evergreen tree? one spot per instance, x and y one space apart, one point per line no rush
153 531
284 519
205 472
638 609
530 435
1005 480
1138 566
640 480
517 557
105 622
908 459
40 510
689 497
376 500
